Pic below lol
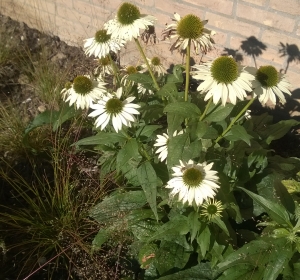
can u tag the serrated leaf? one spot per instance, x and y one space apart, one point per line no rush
66 113
147 130
219 113
149 181
184 109
176 148
237 132
170 91
174 122
274 210
143 79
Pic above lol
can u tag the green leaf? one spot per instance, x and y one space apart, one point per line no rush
169 256
149 181
143 79
66 113
170 91
174 122
194 223
278 130
221 224
147 130
237 132
184 109
274 210
219 113
128 160
177 72
101 138
176 148
202 271
112 205
46 117
203 241
101 237
177 226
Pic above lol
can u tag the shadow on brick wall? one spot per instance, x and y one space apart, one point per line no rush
291 52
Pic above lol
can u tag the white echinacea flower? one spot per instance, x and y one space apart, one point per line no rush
190 27
269 83
162 143
112 108
83 91
193 182
155 65
128 83
102 43
128 22
223 79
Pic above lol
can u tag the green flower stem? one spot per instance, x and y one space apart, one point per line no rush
115 69
187 70
147 63
205 110
235 119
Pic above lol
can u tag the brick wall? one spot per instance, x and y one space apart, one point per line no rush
254 31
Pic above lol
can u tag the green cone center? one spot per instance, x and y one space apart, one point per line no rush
267 76
131 70
128 13
155 61
104 61
82 85
212 209
68 85
114 106
224 70
190 27
192 177
101 36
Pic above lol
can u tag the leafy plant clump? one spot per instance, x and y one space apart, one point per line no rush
191 166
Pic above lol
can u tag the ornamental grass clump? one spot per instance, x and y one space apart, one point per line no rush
191 165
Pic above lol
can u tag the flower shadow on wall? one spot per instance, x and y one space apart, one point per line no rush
292 53
252 46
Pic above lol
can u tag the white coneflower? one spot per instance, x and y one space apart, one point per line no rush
112 108
194 183
83 91
155 65
269 83
102 44
129 83
223 79
212 209
104 67
190 27
128 22
162 142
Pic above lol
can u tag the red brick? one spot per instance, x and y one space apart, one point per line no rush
291 6
221 6
263 17
232 25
